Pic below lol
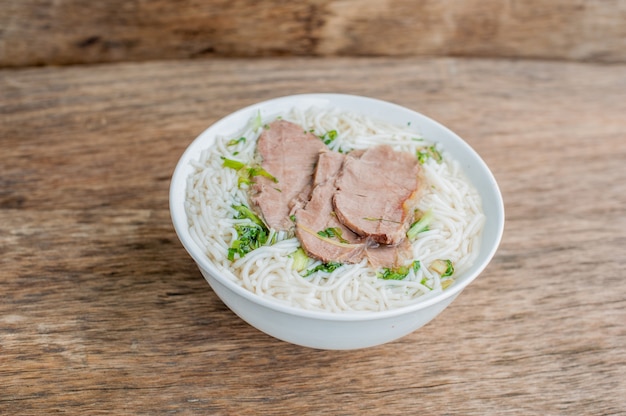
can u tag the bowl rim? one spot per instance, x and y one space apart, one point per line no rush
179 217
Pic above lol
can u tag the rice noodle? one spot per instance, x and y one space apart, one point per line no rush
453 234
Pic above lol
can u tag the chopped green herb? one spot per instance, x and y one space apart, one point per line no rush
421 225
328 137
429 152
333 232
399 273
250 236
236 141
259 171
243 212
324 267
292 218
246 173
233 164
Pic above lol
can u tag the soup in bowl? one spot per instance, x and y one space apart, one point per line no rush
334 221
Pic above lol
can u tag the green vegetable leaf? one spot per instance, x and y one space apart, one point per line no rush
445 268
420 225
250 236
449 270
300 260
328 137
429 152
399 273
324 267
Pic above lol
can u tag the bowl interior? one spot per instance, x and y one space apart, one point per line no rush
474 167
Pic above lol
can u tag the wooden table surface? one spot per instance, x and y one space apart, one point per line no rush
102 310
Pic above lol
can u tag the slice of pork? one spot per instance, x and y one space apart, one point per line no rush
317 215
377 191
290 155
390 256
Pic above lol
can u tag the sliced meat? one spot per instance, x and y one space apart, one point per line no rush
289 154
366 198
328 167
317 215
389 256
377 192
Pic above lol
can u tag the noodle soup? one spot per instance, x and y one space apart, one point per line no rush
441 250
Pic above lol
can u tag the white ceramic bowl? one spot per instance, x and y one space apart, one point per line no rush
327 330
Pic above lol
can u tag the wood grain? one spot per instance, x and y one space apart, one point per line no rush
102 311
47 32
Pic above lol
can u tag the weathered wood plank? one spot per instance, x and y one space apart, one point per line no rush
46 32
102 310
